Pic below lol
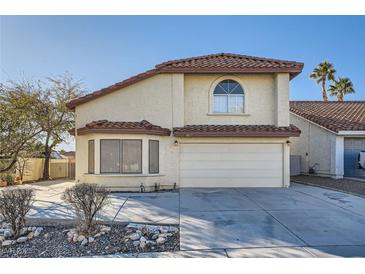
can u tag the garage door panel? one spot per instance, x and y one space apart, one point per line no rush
230 182
231 165
240 156
233 173
231 148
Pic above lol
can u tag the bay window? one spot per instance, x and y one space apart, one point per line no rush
120 156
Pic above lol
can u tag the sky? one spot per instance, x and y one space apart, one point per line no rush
102 50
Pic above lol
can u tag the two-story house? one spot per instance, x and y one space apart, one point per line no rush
219 120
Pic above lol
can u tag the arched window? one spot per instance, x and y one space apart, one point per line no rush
229 97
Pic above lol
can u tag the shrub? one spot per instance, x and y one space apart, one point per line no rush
87 200
7 178
15 203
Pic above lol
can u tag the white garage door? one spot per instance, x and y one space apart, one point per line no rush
231 165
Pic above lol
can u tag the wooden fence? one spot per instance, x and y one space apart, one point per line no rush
58 168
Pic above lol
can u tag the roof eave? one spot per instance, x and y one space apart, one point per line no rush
84 131
235 134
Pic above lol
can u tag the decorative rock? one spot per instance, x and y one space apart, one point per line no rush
80 238
143 239
91 239
152 228
2 238
173 229
8 233
142 245
134 225
136 243
38 231
23 231
135 236
74 239
29 229
7 243
21 240
105 229
160 240
155 236
97 235
70 235
151 242
46 236
164 229
30 235
34 228
84 242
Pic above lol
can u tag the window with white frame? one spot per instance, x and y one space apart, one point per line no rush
229 97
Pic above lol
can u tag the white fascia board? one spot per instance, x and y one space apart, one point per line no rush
352 133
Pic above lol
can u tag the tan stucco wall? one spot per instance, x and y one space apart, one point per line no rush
150 99
315 145
172 100
169 160
168 155
260 99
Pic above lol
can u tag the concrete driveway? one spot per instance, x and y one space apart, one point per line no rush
301 221
162 208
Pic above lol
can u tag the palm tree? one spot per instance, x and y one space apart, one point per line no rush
323 72
341 87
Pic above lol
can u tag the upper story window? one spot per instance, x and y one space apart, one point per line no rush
229 97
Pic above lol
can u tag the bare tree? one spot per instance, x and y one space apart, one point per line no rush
15 203
54 117
87 200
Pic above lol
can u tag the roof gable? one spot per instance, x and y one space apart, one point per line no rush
332 115
213 63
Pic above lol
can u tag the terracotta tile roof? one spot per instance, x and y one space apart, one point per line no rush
236 131
228 62
105 126
213 63
335 116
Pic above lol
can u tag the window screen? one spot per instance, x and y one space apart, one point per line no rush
132 156
91 157
153 156
109 156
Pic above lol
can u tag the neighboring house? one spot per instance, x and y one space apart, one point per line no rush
69 154
218 120
333 134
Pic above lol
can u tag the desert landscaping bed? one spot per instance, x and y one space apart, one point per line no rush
346 185
58 241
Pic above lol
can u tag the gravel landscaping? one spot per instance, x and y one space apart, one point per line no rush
56 241
347 185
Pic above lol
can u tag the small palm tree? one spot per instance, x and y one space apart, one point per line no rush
323 72
341 87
